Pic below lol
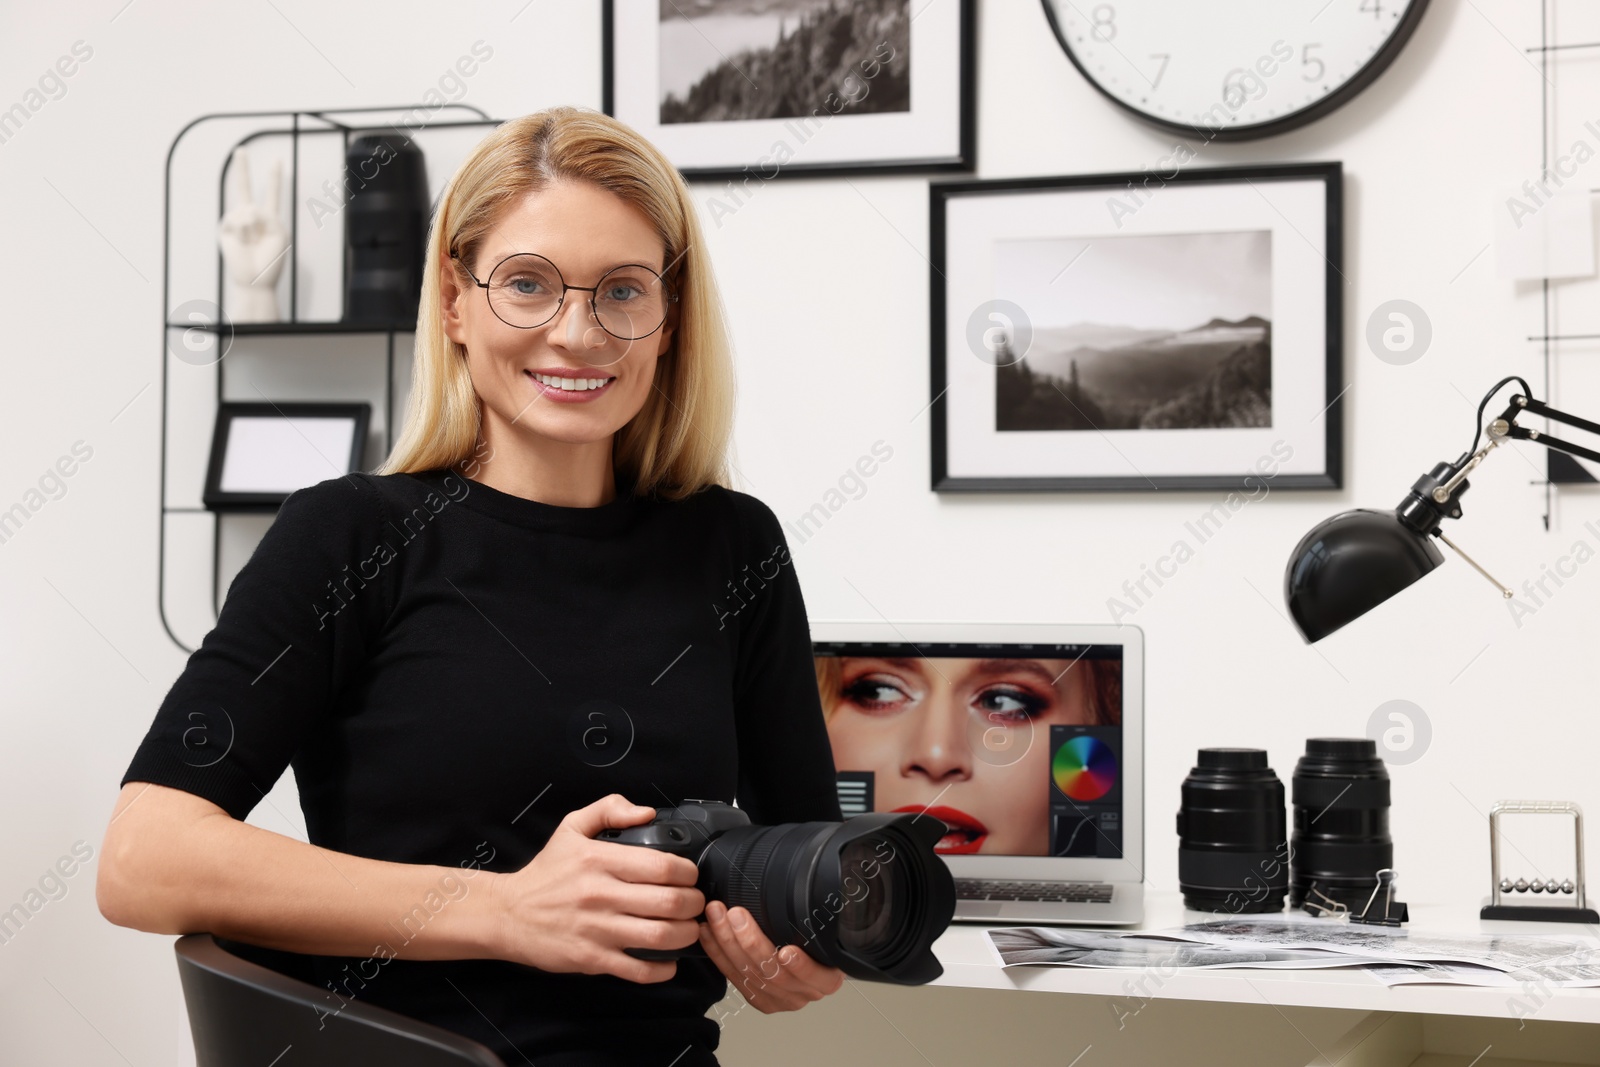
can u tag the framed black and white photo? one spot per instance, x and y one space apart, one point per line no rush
263 451
1148 331
762 89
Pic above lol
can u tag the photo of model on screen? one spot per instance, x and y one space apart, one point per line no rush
967 740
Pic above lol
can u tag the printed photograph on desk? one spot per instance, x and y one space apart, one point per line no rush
1140 331
752 90
1055 946
1392 957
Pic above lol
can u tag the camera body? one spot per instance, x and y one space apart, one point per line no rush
686 830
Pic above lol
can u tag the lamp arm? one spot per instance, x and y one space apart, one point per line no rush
1436 495
1520 404
1446 481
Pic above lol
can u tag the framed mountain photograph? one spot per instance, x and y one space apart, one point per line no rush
751 90
1167 329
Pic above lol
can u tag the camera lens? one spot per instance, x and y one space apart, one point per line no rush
869 895
386 227
1341 822
1232 855
867 924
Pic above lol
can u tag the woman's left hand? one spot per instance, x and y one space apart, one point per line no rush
767 977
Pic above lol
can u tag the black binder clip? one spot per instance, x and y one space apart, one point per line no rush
1387 911
1321 904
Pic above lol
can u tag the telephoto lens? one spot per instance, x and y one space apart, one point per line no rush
1232 854
385 228
867 895
1341 823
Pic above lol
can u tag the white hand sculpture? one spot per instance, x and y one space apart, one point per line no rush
253 241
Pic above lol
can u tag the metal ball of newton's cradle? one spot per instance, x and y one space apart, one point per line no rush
1538 885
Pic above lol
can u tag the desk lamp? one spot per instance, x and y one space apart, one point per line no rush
1349 564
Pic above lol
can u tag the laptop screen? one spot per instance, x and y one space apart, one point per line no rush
1017 747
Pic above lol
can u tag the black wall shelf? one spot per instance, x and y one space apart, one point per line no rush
290 329
342 123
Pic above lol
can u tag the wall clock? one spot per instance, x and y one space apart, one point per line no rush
1232 70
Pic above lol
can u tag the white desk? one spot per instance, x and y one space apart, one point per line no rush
973 1013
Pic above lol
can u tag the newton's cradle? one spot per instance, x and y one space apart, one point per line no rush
1502 886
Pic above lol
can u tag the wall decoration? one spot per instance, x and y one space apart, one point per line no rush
1232 70
263 451
1111 331
752 90
252 237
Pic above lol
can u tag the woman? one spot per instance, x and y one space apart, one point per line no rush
966 739
499 644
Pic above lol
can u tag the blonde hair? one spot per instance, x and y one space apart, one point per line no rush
677 444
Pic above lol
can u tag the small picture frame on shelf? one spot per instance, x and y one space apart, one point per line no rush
262 452
1172 330
728 89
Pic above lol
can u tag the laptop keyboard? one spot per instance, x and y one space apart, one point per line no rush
1064 892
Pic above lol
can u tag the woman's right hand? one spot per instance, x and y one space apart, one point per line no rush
580 902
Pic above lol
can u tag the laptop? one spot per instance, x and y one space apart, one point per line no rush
1025 739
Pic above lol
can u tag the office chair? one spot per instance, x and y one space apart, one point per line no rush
242 1012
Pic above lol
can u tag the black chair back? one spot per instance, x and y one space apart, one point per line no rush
242 1012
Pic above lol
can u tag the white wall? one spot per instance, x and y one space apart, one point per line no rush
84 661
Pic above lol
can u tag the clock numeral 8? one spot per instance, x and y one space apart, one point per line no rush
1105 23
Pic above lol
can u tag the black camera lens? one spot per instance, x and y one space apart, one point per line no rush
868 895
385 227
1232 855
864 894
867 925
1341 823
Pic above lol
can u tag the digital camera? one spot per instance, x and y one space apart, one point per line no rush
867 895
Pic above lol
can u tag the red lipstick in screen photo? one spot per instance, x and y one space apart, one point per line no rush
966 833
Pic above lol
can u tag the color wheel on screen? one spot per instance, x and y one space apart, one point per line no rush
1084 768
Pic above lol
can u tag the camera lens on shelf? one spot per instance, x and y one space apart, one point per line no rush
1341 822
386 222
1232 855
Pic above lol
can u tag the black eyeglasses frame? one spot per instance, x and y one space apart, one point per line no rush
668 288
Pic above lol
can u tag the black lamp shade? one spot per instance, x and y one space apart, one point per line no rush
1351 563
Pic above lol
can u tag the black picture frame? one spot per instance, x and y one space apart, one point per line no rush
1328 475
215 498
962 160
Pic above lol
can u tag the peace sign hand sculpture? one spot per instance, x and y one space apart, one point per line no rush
253 241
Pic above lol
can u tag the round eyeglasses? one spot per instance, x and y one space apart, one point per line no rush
526 290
